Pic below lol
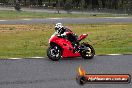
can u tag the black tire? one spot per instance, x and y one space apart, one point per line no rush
89 53
54 53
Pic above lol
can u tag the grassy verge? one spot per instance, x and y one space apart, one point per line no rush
22 14
32 40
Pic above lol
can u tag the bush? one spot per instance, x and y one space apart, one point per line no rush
17 7
68 7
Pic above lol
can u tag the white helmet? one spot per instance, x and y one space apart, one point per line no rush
58 26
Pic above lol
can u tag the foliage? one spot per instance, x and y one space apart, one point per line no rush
122 5
17 7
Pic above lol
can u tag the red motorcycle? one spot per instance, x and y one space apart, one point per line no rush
61 47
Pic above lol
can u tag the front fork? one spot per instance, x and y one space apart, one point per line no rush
82 47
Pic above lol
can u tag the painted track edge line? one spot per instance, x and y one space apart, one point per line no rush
14 58
37 57
3 20
110 54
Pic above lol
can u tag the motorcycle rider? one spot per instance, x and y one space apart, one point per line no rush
60 30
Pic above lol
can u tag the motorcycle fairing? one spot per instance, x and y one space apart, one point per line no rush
66 46
81 37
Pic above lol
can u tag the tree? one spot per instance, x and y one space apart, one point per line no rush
17 5
25 2
95 4
76 2
4 1
32 2
40 2
103 3
68 6
58 6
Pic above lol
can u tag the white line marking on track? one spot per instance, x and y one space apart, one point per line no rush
26 19
3 20
37 57
116 17
113 54
55 18
15 58
45 57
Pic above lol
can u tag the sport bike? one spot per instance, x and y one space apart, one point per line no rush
62 47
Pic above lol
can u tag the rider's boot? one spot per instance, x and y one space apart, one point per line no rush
75 46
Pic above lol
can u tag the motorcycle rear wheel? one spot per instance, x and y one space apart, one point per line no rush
88 53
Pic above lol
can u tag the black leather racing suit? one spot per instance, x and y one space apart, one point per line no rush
71 37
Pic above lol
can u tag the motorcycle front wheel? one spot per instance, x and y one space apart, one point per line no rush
88 52
54 53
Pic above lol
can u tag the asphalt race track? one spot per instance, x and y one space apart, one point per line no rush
43 73
68 20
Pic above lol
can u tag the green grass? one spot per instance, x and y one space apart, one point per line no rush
32 40
22 14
